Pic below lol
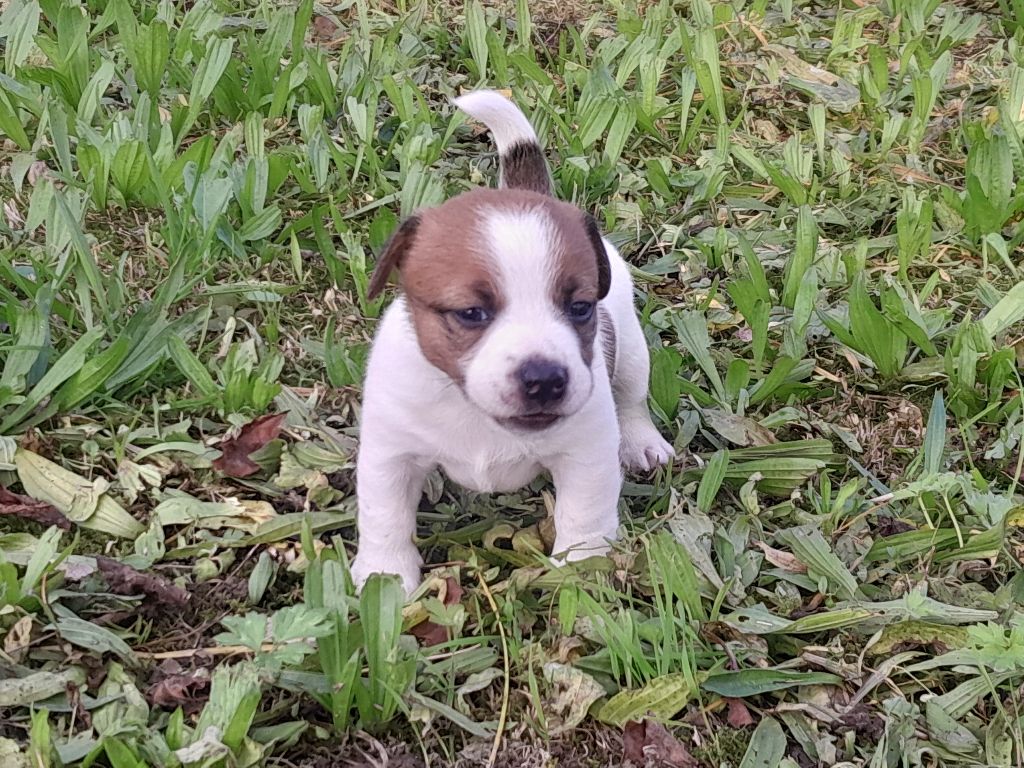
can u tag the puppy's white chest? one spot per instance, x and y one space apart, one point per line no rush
489 474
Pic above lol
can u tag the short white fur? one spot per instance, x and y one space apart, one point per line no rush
415 419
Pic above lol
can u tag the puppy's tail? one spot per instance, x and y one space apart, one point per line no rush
522 161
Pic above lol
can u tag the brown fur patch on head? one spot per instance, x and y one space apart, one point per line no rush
394 253
445 270
442 258
582 269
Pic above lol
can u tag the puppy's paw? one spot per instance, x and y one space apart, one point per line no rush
642 447
405 565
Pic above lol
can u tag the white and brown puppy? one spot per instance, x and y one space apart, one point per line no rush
513 349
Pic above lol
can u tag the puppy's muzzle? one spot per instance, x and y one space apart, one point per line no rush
543 383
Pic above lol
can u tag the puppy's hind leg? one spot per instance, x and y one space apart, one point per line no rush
642 447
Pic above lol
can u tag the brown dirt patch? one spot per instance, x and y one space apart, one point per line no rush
591 746
195 625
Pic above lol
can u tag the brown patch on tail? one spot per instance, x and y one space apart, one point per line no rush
523 167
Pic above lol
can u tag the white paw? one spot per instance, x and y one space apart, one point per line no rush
405 565
642 447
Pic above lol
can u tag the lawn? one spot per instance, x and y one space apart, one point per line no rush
823 204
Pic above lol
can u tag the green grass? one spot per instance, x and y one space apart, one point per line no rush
823 204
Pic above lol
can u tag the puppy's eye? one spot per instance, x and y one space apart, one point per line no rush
581 311
473 317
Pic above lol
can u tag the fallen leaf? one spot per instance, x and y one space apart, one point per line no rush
633 737
126 709
13 215
82 501
324 29
180 508
38 170
430 632
478 681
890 526
574 693
183 690
18 639
31 509
569 649
739 716
234 459
662 698
650 743
547 532
452 591
134 478
738 429
909 175
780 559
125 580
838 94
908 635
205 747
864 722
22 691
528 540
767 745
694 532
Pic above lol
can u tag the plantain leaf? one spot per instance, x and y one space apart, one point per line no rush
741 683
661 698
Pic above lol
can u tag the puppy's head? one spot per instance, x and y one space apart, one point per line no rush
503 287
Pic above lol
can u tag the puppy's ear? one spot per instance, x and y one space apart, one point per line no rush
604 269
392 256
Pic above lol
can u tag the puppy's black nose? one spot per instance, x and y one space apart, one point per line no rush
543 382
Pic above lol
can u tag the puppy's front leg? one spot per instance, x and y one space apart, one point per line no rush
388 489
587 488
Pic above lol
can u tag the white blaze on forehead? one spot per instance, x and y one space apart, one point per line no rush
522 244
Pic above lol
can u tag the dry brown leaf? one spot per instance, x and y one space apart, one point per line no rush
18 639
125 580
650 743
187 691
13 215
430 632
780 559
739 716
235 460
38 170
569 648
31 509
325 30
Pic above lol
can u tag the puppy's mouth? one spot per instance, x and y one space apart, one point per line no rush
531 422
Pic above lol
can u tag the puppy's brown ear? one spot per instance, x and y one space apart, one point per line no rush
604 269
392 256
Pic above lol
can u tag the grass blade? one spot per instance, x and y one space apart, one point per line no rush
935 435
693 332
711 482
69 364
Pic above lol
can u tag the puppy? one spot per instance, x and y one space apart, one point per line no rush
513 349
